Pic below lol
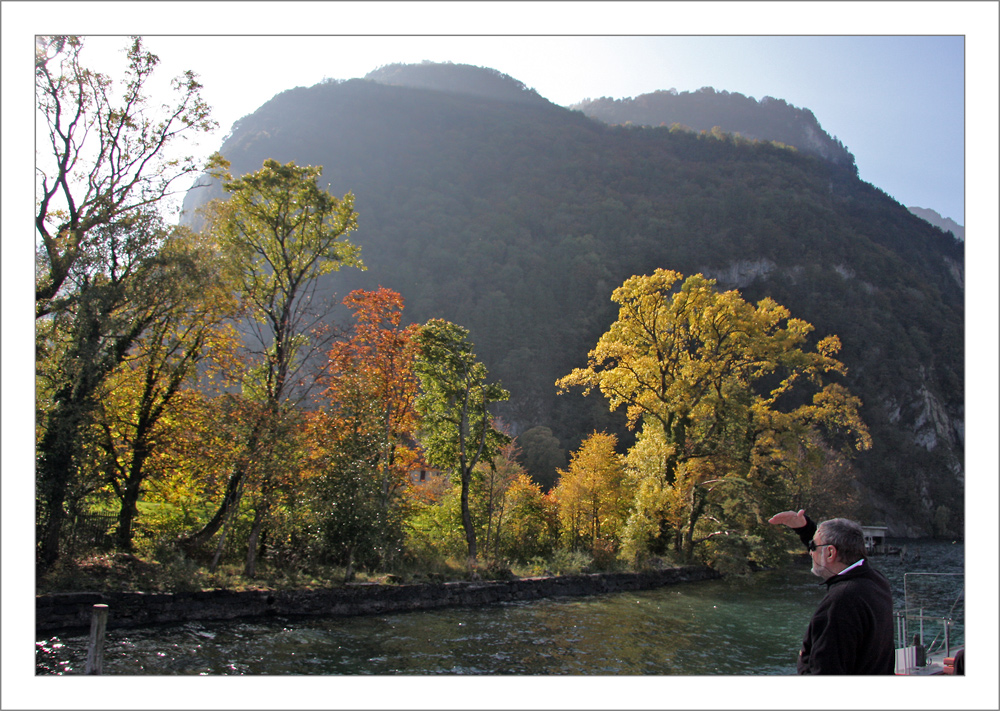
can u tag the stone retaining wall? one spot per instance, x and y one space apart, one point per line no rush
68 611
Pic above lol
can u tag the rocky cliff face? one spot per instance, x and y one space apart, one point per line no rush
921 414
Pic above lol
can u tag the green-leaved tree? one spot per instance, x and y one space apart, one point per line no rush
457 430
280 233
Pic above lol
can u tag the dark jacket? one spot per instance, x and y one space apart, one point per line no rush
851 631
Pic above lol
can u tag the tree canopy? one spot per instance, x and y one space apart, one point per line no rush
457 427
723 391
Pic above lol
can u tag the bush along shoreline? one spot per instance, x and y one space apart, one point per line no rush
72 610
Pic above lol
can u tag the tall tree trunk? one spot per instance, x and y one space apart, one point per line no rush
697 506
230 514
349 570
126 516
56 462
229 502
470 531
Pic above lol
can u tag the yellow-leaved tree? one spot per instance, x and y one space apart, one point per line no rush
726 396
593 503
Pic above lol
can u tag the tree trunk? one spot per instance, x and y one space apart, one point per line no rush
470 531
697 506
250 570
349 570
127 514
130 498
55 466
229 501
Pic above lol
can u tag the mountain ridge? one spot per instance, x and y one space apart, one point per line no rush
945 223
769 119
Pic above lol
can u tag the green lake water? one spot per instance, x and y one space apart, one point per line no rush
719 627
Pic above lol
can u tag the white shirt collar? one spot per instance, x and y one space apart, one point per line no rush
853 565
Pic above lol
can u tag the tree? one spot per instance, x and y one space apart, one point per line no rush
720 390
370 422
371 381
141 399
100 179
346 497
279 232
496 478
456 428
121 292
106 156
593 502
531 524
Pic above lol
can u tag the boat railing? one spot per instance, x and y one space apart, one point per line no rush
923 639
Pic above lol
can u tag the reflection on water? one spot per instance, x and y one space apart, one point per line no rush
710 627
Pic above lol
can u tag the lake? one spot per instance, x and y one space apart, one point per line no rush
717 627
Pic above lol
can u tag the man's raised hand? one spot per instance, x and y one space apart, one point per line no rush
792 519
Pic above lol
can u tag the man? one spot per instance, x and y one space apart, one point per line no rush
851 631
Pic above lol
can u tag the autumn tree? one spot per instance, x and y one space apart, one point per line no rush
124 293
494 480
593 500
371 380
723 394
457 430
104 166
280 232
530 525
368 426
142 399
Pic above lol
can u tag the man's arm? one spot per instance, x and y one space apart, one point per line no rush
798 522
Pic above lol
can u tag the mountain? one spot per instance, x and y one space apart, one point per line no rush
769 119
457 79
485 204
945 223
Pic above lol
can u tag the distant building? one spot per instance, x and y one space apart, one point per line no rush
429 481
875 539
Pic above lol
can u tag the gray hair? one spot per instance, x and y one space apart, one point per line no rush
846 536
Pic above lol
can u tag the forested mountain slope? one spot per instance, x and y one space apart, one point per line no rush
945 223
516 218
769 119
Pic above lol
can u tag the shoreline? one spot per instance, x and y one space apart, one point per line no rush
62 612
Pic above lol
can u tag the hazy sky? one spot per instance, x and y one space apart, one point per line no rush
897 103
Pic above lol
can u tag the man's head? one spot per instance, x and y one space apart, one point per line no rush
837 544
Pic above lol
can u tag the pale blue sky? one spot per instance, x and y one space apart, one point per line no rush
897 103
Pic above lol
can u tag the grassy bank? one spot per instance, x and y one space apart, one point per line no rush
124 572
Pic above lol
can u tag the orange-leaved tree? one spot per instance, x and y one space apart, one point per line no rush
367 425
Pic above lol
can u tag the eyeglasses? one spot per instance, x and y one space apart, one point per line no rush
813 545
